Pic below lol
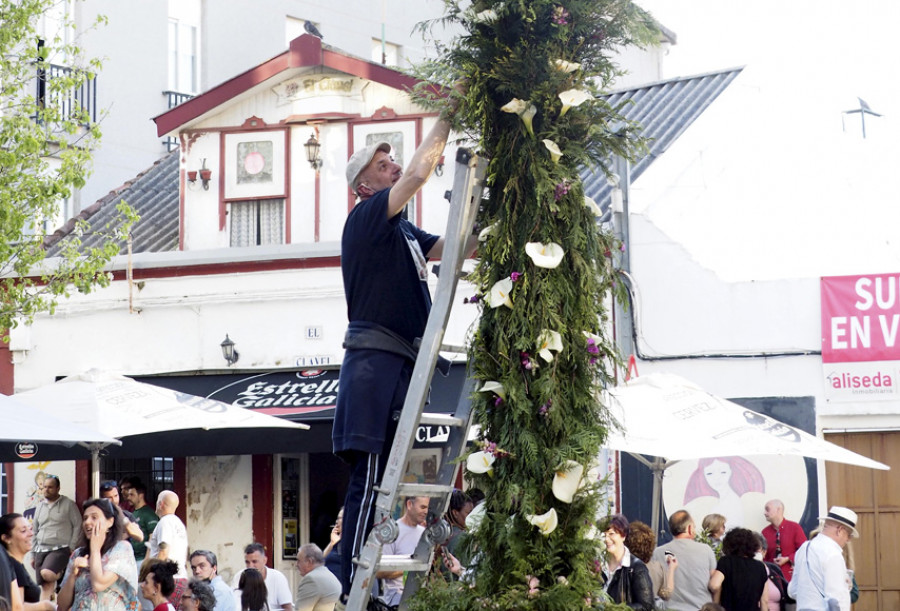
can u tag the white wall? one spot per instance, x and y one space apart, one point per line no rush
220 508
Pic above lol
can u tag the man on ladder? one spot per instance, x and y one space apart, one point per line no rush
383 261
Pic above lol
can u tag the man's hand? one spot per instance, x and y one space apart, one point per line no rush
782 560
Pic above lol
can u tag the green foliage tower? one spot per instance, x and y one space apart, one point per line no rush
544 277
45 153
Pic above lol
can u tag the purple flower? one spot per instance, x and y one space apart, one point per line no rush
498 401
515 276
560 16
526 361
473 299
545 408
561 189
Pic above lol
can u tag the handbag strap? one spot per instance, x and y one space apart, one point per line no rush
821 590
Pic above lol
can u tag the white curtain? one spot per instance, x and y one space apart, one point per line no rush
257 222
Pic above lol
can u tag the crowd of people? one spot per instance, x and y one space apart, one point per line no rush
734 570
119 559
114 558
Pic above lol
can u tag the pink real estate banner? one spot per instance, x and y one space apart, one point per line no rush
861 336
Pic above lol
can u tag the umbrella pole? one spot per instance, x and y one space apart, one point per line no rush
659 468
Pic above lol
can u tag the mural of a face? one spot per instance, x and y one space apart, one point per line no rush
717 475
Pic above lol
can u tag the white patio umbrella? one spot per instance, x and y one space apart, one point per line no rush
25 424
123 408
672 419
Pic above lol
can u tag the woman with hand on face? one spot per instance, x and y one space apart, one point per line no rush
16 536
102 573
159 584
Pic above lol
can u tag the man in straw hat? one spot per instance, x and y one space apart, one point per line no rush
821 581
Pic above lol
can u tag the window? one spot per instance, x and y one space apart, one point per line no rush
184 45
389 55
156 473
182 57
257 222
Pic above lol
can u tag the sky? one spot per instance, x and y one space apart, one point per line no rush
778 176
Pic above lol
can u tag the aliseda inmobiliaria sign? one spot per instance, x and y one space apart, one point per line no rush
861 337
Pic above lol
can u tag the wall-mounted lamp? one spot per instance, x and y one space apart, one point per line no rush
312 152
205 176
439 168
231 355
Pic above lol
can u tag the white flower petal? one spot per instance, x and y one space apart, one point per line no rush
567 481
565 66
488 16
500 292
555 153
548 256
488 231
515 106
494 387
546 522
528 116
592 206
480 462
547 342
573 97
473 520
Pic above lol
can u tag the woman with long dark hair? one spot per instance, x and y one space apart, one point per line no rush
16 536
252 593
102 573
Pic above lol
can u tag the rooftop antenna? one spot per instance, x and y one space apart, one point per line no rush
863 110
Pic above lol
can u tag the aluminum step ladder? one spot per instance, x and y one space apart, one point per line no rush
468 184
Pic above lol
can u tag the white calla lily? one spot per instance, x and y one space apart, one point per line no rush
488 16
528 116
515 106
500 292
555 153
487 232
573 97
592 206
546 522
567 481
480 462
494 387
473 520
565 66
548 256
548 342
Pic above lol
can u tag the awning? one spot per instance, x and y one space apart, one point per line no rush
305 395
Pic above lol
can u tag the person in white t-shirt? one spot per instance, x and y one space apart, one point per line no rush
171 531
410 526
279 591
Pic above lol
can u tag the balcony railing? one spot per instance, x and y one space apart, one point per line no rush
80 101
174 98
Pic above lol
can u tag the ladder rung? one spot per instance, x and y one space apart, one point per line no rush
430 490
390 562
441 419
454 348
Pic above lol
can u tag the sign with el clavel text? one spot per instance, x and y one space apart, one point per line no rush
861 337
